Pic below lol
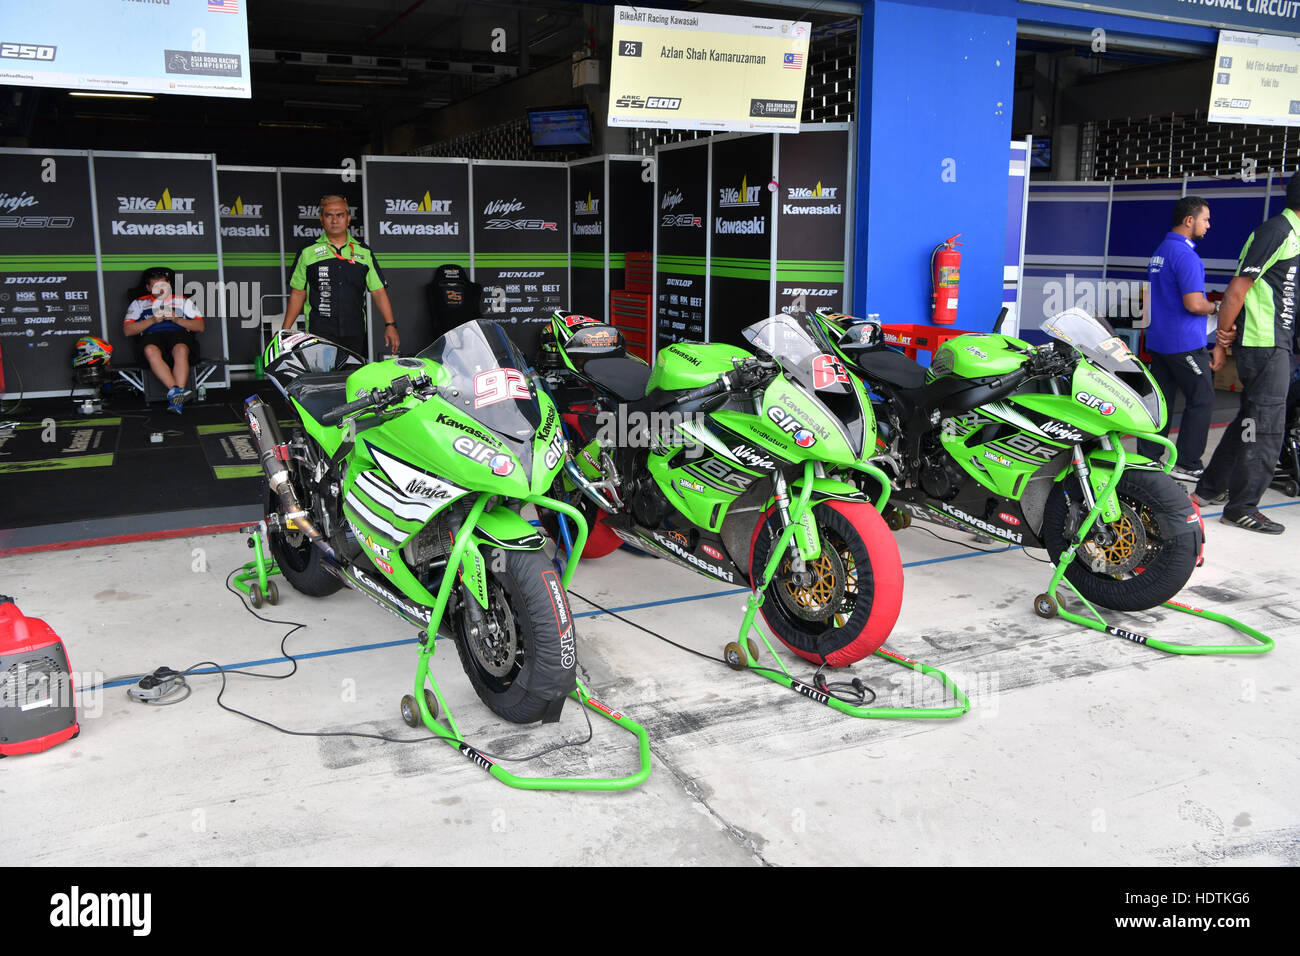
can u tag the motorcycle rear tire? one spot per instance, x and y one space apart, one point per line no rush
302 564
544 665
869 611
1167 565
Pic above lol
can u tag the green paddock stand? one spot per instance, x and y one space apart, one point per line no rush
1048 605
743 653
262 590
428 702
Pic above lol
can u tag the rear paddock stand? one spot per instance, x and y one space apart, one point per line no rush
262 590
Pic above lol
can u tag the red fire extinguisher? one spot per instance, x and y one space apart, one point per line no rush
945 274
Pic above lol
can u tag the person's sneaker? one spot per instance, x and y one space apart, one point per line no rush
185 394
1255 521
1186 474
174 406
1202 499
174 394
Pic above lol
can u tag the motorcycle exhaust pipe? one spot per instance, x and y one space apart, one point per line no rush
593 490
273 453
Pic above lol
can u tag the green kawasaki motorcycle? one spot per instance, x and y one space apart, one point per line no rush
706 457
1020 443
403 479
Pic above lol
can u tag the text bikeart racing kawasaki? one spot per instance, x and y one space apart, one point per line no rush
707 457
1021 443
403 479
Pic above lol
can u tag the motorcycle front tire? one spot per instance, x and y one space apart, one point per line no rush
870 607
1168 563
544 664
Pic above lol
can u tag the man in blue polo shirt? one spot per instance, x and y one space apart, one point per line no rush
1177 334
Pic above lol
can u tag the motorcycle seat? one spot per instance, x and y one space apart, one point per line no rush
318 392
893 367
624 377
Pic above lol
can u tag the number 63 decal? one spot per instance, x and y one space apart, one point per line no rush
497 385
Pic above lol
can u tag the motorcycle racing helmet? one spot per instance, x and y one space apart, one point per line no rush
90 350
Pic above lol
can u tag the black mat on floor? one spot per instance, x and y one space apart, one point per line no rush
112 469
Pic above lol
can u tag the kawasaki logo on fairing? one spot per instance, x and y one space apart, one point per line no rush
982 525
468 429
686 556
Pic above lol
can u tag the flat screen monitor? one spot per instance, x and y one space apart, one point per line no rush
1040 153
559 127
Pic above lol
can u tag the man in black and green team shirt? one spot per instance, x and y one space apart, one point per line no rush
1264 292
329 283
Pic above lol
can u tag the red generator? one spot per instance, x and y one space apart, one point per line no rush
37 709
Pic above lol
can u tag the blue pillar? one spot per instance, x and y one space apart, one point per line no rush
933 129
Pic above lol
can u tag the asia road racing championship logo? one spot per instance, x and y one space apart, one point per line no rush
497 209
241 210
1092 401
817 200
167 204
425 206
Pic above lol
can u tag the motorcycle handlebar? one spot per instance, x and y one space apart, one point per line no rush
335 415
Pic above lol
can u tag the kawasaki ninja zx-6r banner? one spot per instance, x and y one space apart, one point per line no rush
682 207
159 209
812 204
247 203
49 290
418 216
521 244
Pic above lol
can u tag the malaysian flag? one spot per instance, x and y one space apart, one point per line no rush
792 61
223 6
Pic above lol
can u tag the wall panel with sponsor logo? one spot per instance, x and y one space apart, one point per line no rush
741 232
521 243
160 209
612 214
814 209
251 252
418 215
682 207
49 285
588 232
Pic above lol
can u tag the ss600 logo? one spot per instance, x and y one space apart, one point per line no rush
649 102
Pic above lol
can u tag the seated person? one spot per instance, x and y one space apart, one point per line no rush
164 325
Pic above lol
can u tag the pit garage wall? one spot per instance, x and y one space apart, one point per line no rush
934 118
611 214
1088 244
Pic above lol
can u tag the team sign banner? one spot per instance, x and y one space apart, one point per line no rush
187 47
707 71
1256 80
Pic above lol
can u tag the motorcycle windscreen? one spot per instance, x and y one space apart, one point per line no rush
1103 348
488 371
797 343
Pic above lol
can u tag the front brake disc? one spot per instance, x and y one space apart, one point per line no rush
1125 551
821 598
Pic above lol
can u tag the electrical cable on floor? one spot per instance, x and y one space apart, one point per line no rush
179 681
855 688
